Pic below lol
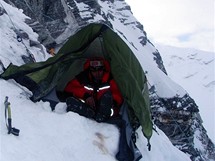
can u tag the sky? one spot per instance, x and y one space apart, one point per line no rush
181 23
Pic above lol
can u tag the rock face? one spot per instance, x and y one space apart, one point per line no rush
179 119
56 20
48 18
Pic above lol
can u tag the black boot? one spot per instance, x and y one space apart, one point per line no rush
79 107
105 107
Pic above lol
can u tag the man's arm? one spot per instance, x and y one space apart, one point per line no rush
117 96
75 88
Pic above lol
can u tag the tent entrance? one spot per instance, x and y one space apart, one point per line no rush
94 49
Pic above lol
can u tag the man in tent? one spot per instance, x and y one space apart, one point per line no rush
94 94
97 89
47 80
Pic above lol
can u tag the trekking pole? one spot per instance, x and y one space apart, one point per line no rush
8 119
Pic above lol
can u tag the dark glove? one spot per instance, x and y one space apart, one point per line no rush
90 101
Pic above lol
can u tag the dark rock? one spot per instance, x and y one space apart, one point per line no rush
159 61
2 11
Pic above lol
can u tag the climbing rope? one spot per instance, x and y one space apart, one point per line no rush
19 37
35 16
33 12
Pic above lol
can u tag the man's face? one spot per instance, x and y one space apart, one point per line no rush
97 73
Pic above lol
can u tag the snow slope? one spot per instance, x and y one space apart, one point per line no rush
57 136
194 70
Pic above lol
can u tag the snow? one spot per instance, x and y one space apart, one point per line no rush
8 40
56 136
196 67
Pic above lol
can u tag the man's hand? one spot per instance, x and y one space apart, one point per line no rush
90 101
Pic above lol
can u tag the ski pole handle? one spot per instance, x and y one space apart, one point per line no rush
6 100
7 107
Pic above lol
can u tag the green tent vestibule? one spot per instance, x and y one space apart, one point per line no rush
93 40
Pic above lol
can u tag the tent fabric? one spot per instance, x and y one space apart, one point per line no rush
90 41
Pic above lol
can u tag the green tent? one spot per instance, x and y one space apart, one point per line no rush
93 40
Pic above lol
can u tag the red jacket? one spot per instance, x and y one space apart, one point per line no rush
82 86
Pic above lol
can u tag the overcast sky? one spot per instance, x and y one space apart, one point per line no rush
182 23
